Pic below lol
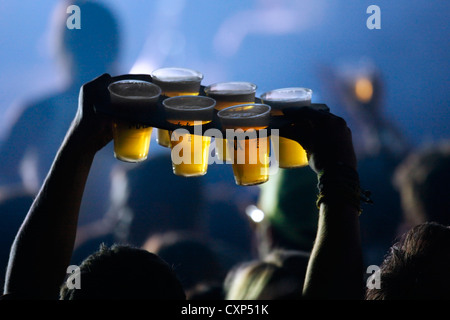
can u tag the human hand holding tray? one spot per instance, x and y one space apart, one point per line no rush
156 117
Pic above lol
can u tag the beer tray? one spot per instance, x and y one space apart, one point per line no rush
157 117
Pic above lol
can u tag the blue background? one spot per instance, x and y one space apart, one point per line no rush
411 49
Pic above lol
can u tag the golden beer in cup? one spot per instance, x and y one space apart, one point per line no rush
289 153
229 94
132 98
175 82
250 145
189 111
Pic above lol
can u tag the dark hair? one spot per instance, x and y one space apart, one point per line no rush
124 272
417 266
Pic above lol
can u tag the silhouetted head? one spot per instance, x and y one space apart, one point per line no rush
422 180
358 88
417 267
94 48
123 272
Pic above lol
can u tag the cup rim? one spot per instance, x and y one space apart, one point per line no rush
152 85
194 76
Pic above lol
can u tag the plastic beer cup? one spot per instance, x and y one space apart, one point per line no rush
229 94
247 141
175 82
189 152
289 153
132 98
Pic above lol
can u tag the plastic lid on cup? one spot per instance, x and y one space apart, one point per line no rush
245 115
231 87
284 97
133 97
134 89
199 108
174 74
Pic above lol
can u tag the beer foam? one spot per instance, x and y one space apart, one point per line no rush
231 87
237 91
287 97
176 75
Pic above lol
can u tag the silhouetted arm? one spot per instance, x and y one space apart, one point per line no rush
43 246
335 266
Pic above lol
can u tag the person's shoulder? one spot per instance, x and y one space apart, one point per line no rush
5 297
24 109
28 111
11 296
30 296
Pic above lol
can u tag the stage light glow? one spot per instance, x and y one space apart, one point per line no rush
364 90
254 213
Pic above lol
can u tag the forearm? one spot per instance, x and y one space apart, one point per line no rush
335 265
42 249
335 268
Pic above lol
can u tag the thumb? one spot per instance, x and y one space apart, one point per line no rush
95 92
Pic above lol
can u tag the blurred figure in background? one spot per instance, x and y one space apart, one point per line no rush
194 259
225 206
380 147
284 226
146 199
422 180
37 128
156 200
359 87
288 204
280 275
